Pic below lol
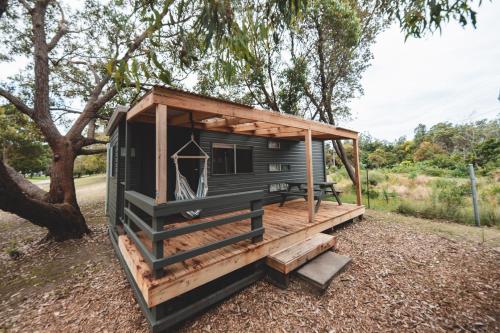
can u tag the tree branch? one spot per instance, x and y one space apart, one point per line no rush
61 31
95 102
18 103
24 185
26 5
94 151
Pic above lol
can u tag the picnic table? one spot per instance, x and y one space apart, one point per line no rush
320 190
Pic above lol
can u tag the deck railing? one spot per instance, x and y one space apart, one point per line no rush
160 214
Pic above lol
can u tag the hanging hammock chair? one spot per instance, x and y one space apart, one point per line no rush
182 189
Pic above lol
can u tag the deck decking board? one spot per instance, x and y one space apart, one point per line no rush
284 226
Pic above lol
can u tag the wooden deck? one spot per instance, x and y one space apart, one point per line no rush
284 227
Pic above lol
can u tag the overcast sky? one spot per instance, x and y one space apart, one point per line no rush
452 77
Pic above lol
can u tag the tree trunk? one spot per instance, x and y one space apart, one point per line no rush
57 210
339 149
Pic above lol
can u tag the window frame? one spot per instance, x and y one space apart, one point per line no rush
235 147
289 166
270 142
282 188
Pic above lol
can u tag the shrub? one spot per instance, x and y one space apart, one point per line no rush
376 177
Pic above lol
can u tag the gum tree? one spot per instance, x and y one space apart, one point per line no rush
95 55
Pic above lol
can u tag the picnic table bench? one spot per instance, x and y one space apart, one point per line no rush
321 188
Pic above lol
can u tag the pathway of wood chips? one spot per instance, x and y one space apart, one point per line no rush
400 279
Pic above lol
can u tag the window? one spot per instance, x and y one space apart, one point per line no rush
279 167
231 159
278 187
273 144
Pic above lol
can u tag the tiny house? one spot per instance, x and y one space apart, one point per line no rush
199 195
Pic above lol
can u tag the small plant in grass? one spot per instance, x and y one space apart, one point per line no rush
12 250
387 195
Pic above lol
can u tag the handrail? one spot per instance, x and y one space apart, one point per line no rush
159 213
174 207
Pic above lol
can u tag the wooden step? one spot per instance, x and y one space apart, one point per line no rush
321 270
298 254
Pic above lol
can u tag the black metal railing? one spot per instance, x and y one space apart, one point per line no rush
160 216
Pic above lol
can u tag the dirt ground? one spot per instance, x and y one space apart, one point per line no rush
407 274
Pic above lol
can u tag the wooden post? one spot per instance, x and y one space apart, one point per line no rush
355 153
310 180
161 154
256 221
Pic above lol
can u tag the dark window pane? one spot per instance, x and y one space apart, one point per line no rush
222 160
244 160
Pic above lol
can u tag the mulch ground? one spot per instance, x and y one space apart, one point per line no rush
400 279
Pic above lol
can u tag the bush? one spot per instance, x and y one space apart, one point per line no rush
448 192
376 177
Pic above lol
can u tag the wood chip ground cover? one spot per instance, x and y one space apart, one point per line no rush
401 279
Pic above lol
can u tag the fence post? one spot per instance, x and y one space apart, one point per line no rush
367 188
157 245
256 220
475 205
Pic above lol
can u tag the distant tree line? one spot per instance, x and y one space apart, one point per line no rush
444 146
443 149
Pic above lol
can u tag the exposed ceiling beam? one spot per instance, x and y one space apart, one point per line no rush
250 126
266 131
281 129
185 118
289 134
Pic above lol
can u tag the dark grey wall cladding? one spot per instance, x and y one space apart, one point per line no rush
112 188
291 152
116 184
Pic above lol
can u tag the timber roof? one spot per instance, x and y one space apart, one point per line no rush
216 114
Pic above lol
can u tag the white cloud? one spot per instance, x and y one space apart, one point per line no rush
450 77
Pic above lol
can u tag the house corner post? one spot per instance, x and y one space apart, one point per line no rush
355 151
161 154
309 175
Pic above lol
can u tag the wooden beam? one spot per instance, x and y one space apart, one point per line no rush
267 131
161 154
288 134
309 174
185 118
145 103
357 175
222 122
250 126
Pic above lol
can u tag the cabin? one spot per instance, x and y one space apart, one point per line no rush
204 195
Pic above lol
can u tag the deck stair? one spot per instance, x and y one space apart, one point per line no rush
282 263
320 271
298 254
